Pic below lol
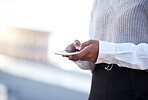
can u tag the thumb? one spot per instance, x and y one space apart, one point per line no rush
85 44
77 44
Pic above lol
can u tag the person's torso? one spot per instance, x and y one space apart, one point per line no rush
120 21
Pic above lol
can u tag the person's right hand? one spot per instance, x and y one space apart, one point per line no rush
73 47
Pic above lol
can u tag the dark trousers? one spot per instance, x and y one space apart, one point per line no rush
118 84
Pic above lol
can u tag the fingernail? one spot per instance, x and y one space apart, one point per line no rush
77 47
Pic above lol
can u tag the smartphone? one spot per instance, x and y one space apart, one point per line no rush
66 53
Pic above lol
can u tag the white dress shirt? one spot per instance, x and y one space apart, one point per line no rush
123 54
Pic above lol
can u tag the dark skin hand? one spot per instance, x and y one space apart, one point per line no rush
89 51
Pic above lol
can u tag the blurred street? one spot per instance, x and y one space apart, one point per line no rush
31 31
24 89
27 80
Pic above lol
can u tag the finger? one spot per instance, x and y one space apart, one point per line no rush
82 55
73 57
65 56
70 48
77 44
85 44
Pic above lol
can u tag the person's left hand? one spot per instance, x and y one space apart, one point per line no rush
89 52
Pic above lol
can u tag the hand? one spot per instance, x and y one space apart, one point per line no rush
73 47
89 52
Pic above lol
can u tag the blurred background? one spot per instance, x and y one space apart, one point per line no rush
30 32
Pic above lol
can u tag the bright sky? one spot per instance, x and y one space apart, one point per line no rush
66 20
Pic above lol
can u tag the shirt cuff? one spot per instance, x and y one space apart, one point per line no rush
106 52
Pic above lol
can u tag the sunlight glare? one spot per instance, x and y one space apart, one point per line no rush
3 61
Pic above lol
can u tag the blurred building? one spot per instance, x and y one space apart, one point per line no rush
24 43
